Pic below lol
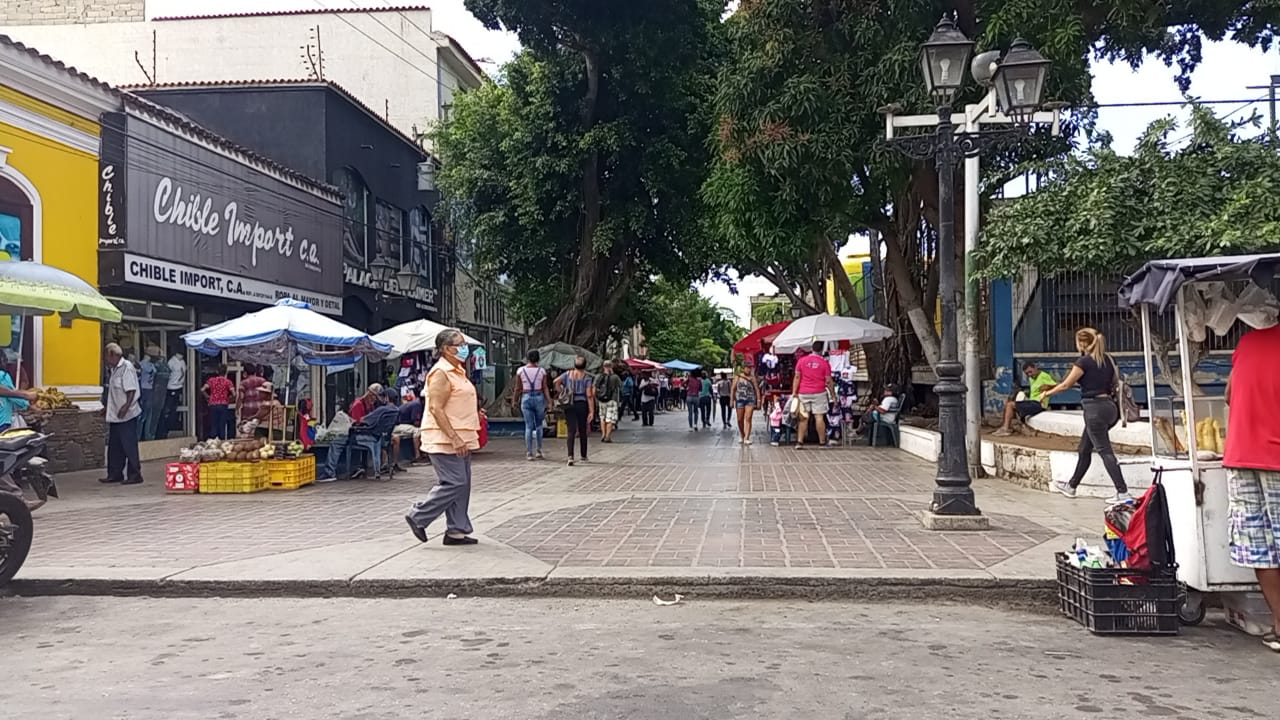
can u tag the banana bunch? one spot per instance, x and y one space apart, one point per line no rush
1209 436
52 399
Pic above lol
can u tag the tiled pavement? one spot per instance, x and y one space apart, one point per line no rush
659 499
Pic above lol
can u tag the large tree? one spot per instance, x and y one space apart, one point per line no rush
1212 188
577 173
801 161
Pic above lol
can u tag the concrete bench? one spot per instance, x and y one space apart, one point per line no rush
1070 423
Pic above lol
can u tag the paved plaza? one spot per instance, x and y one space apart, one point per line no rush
659 502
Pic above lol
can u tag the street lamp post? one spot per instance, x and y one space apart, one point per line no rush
1019 84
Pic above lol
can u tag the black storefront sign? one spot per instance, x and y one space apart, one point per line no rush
111 182
194 205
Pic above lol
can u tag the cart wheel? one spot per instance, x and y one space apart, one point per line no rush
1192 610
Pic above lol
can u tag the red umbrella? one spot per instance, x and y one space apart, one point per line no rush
636 364
759 338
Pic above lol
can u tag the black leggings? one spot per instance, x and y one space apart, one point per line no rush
725 413
646 412
575 416
1100 415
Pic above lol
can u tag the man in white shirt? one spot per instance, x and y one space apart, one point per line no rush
122 411
173 399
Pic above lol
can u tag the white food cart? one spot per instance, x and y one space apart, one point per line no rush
1187 429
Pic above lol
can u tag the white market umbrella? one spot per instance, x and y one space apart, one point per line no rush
830 329
289 327
415 336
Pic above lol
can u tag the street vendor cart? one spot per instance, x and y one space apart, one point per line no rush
1188 427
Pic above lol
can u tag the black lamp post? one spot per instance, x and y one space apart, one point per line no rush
1019 82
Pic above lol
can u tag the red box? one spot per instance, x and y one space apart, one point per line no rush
182 477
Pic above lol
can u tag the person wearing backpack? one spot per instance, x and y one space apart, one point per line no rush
608 396
576 395
1098 377
649 393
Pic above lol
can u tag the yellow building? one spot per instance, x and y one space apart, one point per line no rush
853 267
49 206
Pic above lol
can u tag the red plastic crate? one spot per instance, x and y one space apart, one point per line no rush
182 477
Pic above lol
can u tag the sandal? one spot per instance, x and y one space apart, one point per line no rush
1272 641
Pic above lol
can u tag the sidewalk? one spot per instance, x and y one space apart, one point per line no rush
660 508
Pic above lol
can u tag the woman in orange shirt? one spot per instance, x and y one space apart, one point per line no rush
450 432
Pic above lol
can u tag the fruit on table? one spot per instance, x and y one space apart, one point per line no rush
52 399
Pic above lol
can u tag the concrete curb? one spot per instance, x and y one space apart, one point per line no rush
1022 594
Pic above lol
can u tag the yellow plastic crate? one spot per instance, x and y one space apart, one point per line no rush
291 474
233 477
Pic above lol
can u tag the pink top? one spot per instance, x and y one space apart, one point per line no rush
814 371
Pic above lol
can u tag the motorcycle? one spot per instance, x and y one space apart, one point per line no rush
22 465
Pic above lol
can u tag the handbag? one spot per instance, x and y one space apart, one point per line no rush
564 395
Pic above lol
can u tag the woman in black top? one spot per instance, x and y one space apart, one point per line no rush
1096 373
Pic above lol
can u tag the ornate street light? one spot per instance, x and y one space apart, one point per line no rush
1019 81
797 312
382 271
944 59
407 280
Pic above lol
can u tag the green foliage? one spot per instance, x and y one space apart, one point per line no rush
681 324
577 173
770 312
1217 194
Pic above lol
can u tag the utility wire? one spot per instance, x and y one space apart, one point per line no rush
338 14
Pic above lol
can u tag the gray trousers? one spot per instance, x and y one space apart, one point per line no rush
451 495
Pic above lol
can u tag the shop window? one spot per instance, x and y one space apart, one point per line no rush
390 227
421 252
16 244
356 248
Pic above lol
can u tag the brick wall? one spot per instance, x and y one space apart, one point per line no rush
62 12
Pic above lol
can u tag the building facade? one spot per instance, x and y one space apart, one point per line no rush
389 56
48 197
383 181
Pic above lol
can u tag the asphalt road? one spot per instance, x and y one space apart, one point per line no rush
532 659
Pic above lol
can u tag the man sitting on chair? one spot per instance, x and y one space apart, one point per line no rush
368 433
885 412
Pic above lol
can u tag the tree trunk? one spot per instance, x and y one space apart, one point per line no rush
565 324
909 296
1164 349
841 279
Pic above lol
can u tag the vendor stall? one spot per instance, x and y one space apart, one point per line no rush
274 336
1188 428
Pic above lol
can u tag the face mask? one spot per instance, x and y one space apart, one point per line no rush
464 352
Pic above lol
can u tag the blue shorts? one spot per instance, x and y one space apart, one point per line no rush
745 403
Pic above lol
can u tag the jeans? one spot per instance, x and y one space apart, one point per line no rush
1100 415
534 408
704 405
144 402
123 462
219 421
646 412
337 451
691 406
575 416
724 410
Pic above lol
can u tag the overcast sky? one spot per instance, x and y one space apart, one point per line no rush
1225 74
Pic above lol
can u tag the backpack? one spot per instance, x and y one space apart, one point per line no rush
1145 529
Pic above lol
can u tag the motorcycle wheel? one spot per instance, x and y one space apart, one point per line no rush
16 530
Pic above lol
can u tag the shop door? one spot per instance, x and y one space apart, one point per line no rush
167 408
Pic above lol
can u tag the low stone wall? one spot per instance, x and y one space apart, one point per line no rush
1033 468
79 440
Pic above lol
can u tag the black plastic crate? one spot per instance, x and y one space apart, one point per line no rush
1117 601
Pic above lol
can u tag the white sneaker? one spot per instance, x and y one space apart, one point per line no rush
1119 498
747 441
1064 488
